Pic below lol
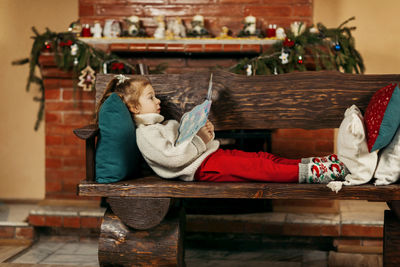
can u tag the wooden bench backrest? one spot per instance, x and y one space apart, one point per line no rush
308 100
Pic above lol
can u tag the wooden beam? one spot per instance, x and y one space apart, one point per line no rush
155 187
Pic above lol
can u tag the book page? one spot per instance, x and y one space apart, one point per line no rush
192 121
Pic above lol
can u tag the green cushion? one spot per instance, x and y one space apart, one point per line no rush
117 154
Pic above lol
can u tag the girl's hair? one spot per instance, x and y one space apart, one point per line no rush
129 90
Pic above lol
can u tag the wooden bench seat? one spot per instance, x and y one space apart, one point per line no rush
144 225
155 187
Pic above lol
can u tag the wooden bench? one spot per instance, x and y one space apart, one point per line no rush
145 222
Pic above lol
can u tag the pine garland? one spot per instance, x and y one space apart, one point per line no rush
330 49
62 44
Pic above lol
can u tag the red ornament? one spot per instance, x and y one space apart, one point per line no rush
47 47
117 66
300 60
288 43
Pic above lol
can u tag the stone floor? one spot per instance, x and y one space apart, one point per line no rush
67 251
217 249
70 251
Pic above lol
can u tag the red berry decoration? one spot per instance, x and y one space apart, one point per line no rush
288 43
117 66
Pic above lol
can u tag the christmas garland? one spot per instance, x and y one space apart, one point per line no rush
72 54
327 49
307 48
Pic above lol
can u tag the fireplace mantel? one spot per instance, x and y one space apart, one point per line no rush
184 45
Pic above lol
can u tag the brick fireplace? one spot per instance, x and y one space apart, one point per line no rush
66 110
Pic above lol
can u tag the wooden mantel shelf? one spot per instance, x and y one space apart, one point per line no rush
184 45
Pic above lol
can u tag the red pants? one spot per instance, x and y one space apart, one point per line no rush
240 166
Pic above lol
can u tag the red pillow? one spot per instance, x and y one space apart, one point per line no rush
382 117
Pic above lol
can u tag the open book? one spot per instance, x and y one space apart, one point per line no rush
192 121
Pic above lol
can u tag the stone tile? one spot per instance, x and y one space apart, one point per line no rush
354 260
12 223
93 213
4 210
53 212
321 263
315 258
362 205
231 263
267 217
71 259
19 212
204 254
57 210
38 252
313 218
360 217
311 229
362 212
7 251
271 255
78 248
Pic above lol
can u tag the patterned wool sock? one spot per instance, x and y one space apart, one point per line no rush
325 159
325 172
303 173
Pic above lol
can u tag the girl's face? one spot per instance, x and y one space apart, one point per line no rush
148 102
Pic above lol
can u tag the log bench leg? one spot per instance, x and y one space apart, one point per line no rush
391 236
162 245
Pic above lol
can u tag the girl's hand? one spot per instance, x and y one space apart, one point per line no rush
206 132
210 126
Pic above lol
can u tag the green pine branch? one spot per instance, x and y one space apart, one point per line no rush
319 46
86 55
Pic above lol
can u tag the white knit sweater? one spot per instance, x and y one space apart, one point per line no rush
156 141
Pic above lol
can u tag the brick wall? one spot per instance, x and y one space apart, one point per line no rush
65 153
65 165
217 13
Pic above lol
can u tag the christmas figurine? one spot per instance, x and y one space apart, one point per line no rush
249 28
271 31
86 32
280 33
225 32
159 33
297 28
177 28
97 30
112 28
75 27
198 29
314 30
249 70
134 27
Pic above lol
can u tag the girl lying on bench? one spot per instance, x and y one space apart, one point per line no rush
201 159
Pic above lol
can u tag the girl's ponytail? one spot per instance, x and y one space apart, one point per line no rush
111 86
